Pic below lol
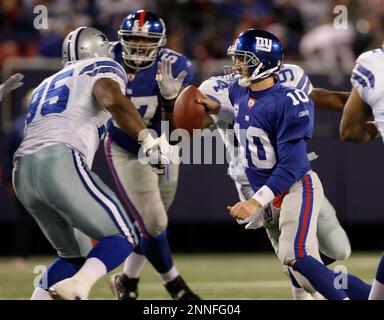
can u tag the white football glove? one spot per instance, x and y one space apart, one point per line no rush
11 84
155 156
255 221
168 85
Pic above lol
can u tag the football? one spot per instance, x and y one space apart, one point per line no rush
187 113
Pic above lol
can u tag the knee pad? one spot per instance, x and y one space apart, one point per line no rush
286 252
335 244
333 240
168 193
155 218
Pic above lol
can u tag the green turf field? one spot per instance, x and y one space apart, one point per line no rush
212 276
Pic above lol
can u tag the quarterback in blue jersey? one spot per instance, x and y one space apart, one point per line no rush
273 124
155 77
333 240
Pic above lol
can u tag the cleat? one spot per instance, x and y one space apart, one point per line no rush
124 288
68 289
179 290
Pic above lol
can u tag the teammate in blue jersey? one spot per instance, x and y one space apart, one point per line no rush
155 77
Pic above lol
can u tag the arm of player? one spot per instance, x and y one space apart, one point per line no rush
289 169
353 125
211 107
169 86
243 210
12 83
293 127
329 100
109 95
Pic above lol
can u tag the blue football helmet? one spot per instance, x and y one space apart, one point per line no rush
260 53
141 35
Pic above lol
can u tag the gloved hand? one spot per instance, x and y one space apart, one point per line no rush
156 157
168 85
255 221
11 84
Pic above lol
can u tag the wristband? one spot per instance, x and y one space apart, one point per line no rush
168 105
264 196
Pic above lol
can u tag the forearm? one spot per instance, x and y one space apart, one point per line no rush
109 95
359 133
355 126
127 118
329 100
292 166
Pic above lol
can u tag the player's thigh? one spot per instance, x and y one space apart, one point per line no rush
298 219
82 199
139 187
23 182
168 187
333 240
273 236
56 229
60 233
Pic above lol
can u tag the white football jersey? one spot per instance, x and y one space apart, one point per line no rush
216 88
62 109
368 78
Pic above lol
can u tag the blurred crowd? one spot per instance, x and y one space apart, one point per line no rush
203 29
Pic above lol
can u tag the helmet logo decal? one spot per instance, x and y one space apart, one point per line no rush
137 28
102 36
263 44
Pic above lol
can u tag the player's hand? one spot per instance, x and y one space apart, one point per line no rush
244 210
168 85
11 84
158 160
156 157
209 104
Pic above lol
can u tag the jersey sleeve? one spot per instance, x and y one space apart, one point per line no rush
216 88
362 78
105 68
183 64
295 120
294 76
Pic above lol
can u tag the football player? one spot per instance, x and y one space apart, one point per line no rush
366 101
272 124
52 174
12 83
333 240
155 77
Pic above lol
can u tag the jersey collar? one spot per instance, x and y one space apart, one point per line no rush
261 93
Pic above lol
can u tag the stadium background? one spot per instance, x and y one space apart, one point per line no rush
202 30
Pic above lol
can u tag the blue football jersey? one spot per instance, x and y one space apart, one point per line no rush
144 92
268 123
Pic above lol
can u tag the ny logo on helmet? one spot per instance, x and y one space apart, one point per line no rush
263 44
140 29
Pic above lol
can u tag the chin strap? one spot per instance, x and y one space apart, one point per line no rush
246 82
